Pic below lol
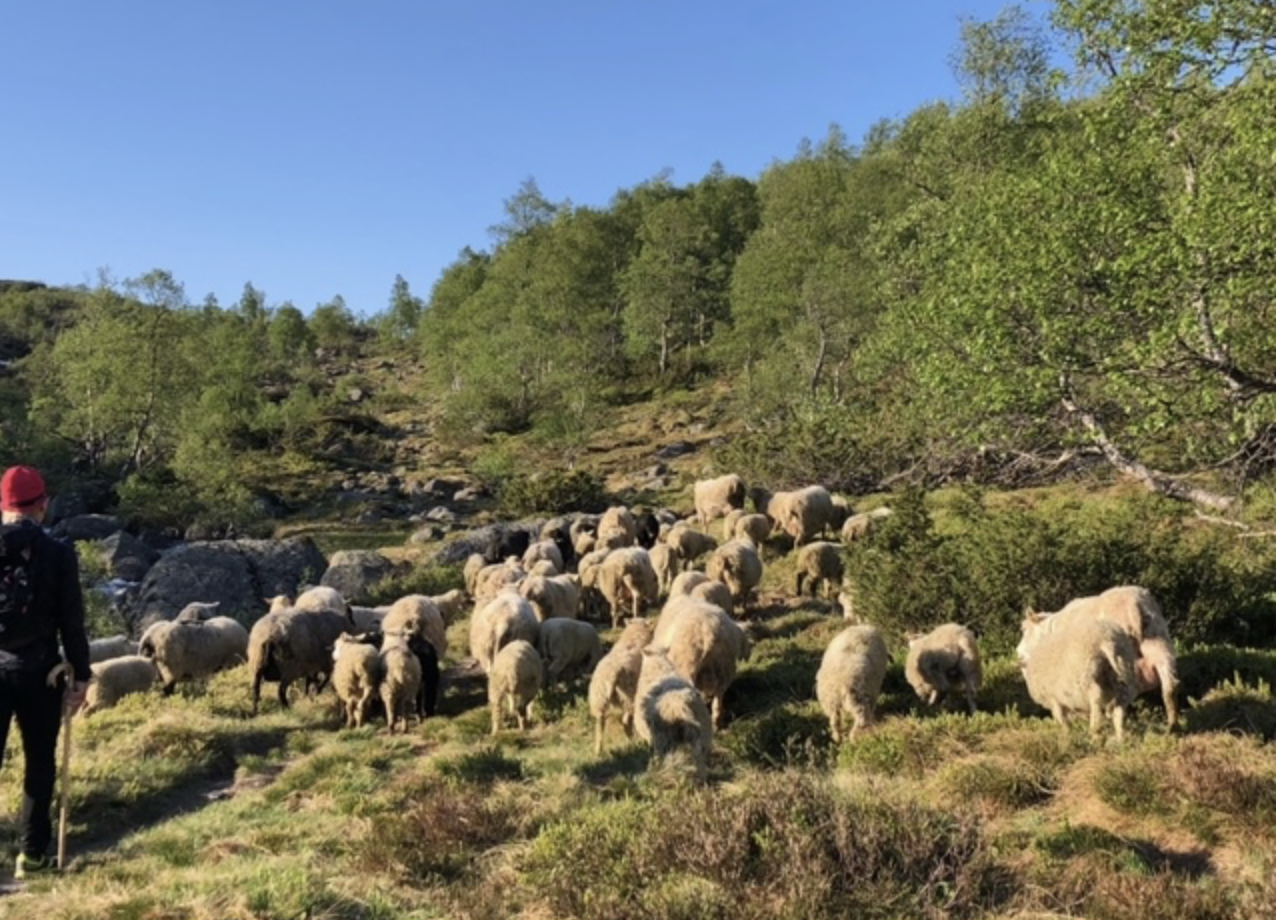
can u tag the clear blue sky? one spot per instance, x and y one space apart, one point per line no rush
320 147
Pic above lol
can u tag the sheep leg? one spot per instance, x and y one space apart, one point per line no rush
797 583
1118 722
1096 711
1169 684
599 725
717 711
970 693
283 694
496 716
257 678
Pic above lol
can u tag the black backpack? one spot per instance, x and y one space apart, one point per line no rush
18 623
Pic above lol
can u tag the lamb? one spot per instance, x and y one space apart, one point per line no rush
116 678
505 619
1087 665
715 498
614 682
356 676
704 645
820 567
627 576
417 615
541 551
671 715
617 528
689 544
942 660
738 566
193 650
400 679
850 678
665 561
516 676
289 645
858 526
754 528
803 513
111 647
1136 611
567 646
558 596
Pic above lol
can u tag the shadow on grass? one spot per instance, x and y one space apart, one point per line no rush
625 762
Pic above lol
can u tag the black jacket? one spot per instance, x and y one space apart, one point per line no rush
56 609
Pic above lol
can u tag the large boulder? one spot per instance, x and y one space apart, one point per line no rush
87 527
238 574
126 557
481 540
356 573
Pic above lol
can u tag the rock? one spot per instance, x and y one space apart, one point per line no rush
441 515
444 489
675 449
355 573
88 527
126 557
480 539
429 534
473 493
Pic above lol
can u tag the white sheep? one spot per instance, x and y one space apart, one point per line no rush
515 677
116 678
627 577
110 647
689 544
715 498
617 528
544 551
705 645
819 567
504 619
417 615
289 645
729 522
738 566
614 683
752 528
1086 666
665 561
556 596
451 605
1136 611
858 526
400 679
716 593
197 611
568 646
686 582
671 715
943 660
321 597
584 534
495 578
474 563
356 677
193 649
588 572
803 514
850 678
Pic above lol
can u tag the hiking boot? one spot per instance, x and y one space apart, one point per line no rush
29 866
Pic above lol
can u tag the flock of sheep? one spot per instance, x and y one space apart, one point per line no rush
666 675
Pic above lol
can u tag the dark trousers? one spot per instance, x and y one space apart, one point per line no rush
39 712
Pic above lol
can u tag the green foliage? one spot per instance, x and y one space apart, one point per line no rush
429 580
1236 705
553 491
482 766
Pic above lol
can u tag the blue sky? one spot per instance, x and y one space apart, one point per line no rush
321 147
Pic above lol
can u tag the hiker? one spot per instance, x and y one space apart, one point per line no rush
40 604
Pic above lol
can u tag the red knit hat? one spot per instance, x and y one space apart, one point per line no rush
21 487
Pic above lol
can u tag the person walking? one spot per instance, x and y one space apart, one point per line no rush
40 605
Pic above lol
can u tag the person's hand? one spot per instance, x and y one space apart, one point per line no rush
75 696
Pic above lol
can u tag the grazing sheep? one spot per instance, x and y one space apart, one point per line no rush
289 645
193 649
705 645
649 528
942 660
819 567
846 600
614 682
617 528
592 603
850 678
715 498
116 678
686 582
716 593
558 596
474 563
544 551
753 528
841 511
689 544
671 715
495 578
400 679
321 598
584 534
738 566
558 532
111 647
1136 611
568 646
197 611
356 677
1088 665
368 619
516 676
417 615
858 526
502 620
627 576
803 514
665 561
451 605
729 522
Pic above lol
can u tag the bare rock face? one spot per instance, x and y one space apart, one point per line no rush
238 574
356 573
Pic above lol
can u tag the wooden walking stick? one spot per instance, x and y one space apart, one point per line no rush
61 671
